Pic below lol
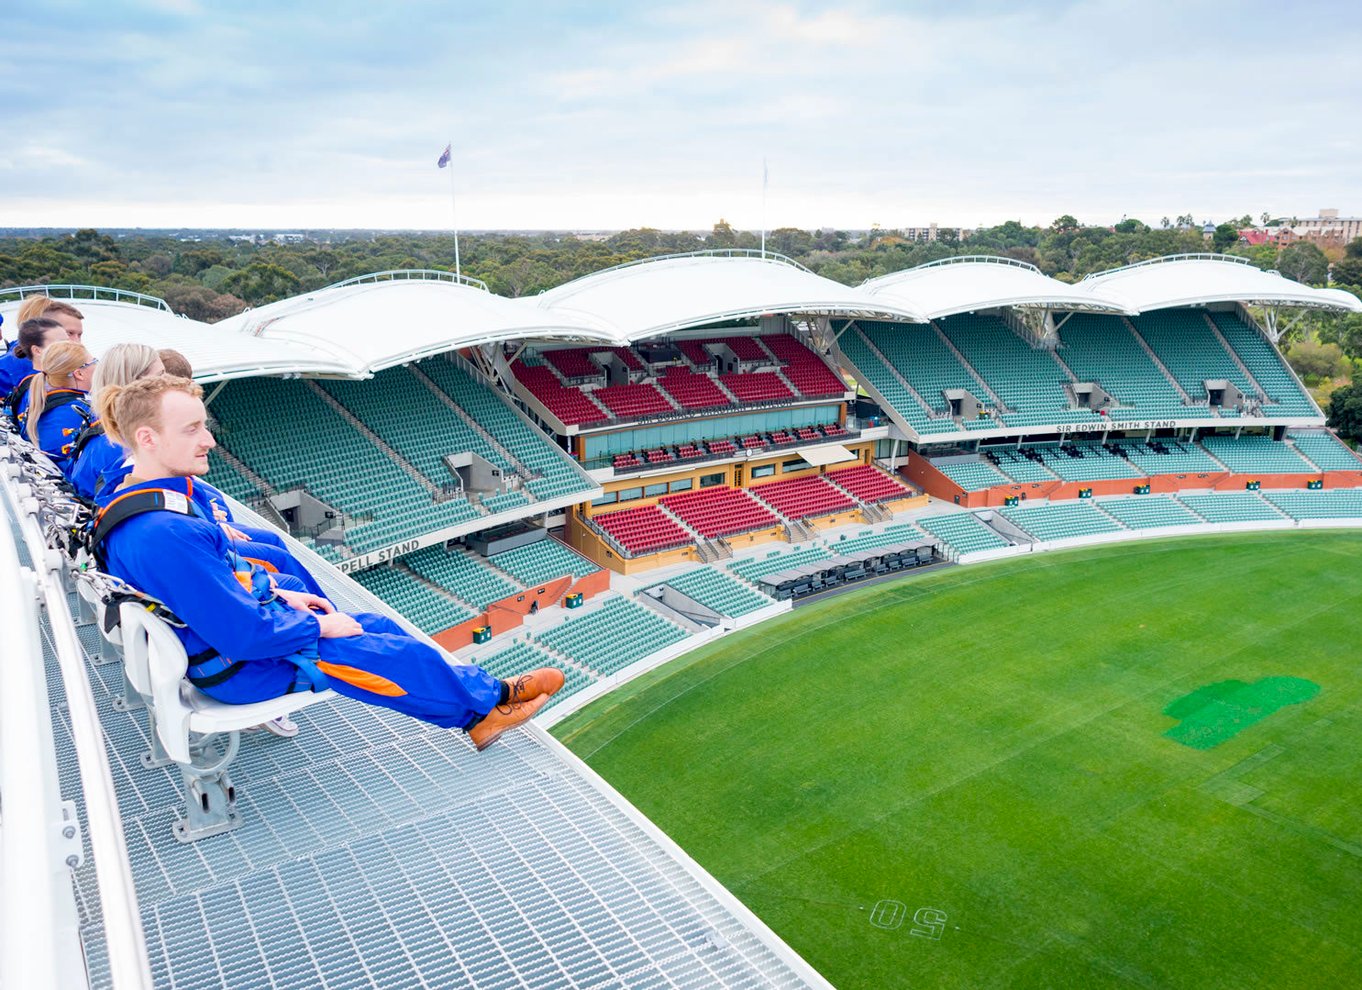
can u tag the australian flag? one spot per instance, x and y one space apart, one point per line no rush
444 157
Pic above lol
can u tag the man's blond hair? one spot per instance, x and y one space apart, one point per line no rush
36 306
124 409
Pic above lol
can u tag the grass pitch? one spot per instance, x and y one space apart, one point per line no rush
969 780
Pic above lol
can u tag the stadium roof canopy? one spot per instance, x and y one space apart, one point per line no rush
1199 279
117 317
663 295
390 318
975 282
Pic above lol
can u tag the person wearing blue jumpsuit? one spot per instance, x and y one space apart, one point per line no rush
187 562
103 465
247 638
13 369
59 427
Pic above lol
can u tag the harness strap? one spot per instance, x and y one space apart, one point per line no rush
16 396
135 503
55 400
92 429
210 669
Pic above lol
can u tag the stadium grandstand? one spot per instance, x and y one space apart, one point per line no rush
419 432
601 478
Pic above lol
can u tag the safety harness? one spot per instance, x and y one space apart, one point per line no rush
55 400
16 396
83 438
207 668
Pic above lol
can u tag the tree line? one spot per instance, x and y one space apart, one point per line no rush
212 276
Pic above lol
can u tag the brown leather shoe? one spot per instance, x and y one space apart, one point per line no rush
522 687
502 718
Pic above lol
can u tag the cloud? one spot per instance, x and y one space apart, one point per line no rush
606 114
36 157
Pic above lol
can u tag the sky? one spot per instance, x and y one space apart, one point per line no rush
606 115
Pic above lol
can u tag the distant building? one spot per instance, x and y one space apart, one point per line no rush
932 232
1327 230
1329 226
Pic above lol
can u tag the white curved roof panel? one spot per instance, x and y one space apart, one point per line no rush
663 295
369 325
1198 279
966 284
215 352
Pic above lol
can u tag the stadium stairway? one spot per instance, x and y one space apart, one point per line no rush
471 422
896 394
387 449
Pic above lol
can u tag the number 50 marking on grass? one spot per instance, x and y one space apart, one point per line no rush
927 922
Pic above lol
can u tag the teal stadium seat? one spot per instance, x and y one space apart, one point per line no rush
430 611
1337 503
1149 511
545 560
972 476
1188 348
856 350
1020 468
1175 458
1028 379
1092 463
461 574
1256 455
755 568
712 588
229 480
610 638
554 474
962 532
925 362
286 433
1265 363
1326 451
1231 507
1061 520
1102 349
872 540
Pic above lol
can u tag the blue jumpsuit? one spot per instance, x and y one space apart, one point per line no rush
58 428
13 370
187 563
100 468
262 546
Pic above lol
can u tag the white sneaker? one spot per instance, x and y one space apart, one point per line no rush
283 727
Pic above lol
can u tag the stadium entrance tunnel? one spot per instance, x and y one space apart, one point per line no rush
1212 714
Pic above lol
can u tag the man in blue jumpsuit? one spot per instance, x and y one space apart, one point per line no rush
248 641
13 369
101 466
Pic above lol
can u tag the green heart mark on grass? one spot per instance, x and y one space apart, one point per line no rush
1220 711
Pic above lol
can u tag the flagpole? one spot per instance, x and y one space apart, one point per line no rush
764 177
454 216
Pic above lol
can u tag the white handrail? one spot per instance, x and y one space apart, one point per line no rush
39 928
94 293
125 939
